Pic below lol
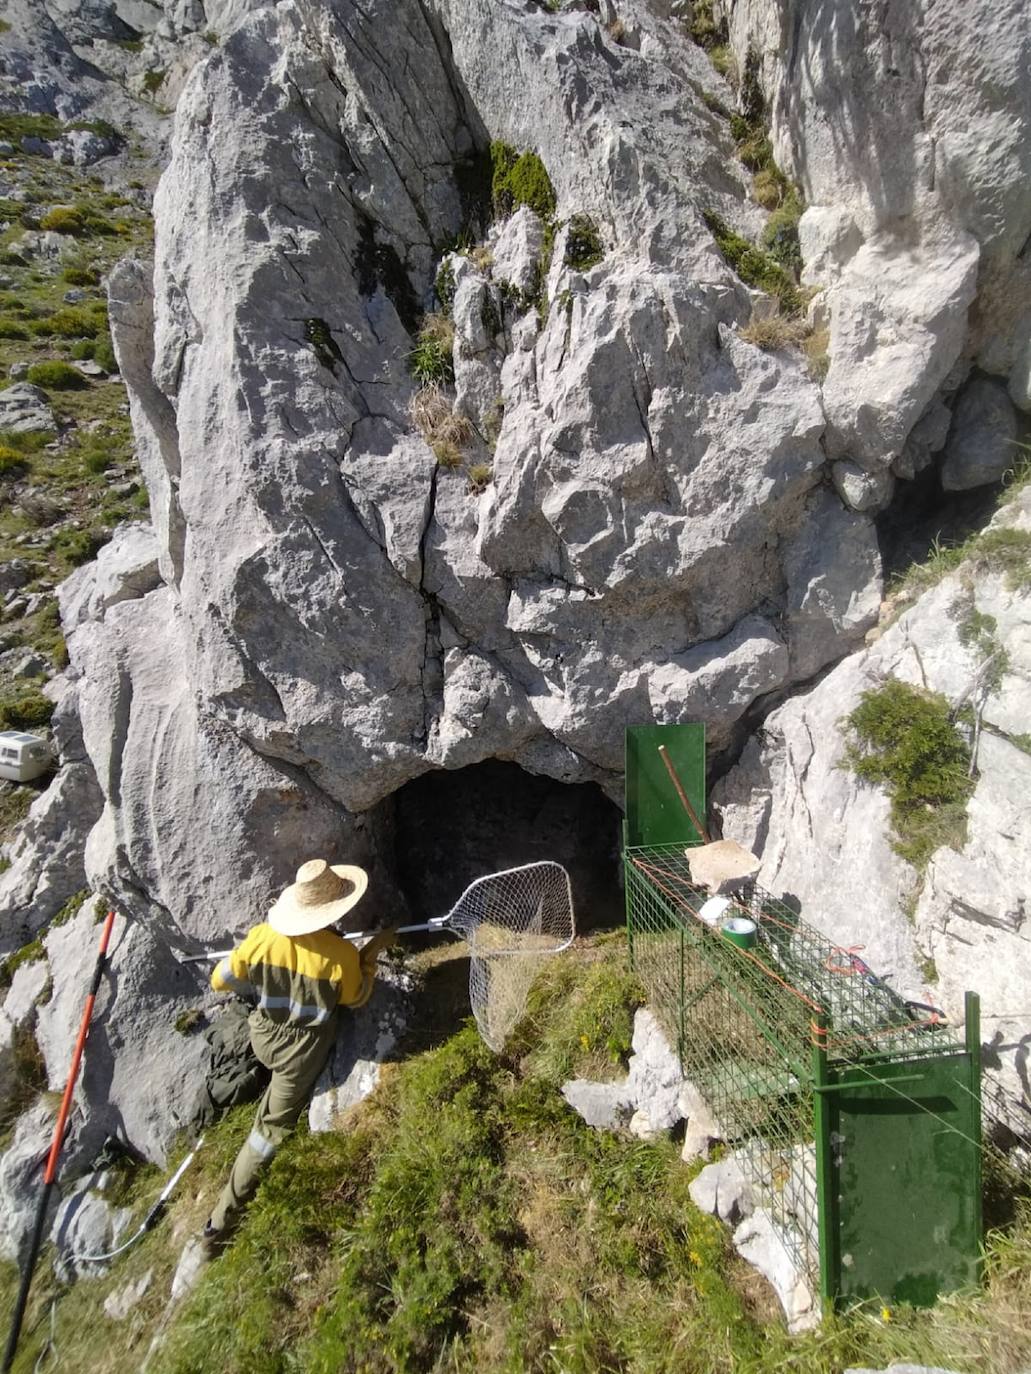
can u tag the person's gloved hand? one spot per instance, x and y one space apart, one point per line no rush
383 940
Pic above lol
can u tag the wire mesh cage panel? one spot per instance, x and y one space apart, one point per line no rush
762 1030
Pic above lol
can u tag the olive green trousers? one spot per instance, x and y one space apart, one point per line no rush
296 1057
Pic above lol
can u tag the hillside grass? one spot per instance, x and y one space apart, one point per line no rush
465 1219
57 502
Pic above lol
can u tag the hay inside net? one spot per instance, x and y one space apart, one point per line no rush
512 922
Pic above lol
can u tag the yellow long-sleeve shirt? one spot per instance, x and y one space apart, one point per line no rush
300 980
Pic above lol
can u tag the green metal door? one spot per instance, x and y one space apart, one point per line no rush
654 812
905 1178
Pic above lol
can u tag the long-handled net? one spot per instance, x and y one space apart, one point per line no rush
512 922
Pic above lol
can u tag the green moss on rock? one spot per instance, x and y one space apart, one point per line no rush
904 739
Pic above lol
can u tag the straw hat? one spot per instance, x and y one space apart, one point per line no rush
321 895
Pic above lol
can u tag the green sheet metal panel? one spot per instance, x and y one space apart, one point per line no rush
654 813
905 1179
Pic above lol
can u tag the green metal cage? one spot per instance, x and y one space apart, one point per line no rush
855 1115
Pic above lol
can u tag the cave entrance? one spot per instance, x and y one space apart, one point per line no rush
453 826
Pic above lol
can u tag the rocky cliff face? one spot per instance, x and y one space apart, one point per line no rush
667 521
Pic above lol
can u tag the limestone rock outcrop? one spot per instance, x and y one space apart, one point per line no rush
904 129
342 614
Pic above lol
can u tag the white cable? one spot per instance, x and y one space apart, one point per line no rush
149 1220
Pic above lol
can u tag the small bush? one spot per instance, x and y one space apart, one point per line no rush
773 332
584 248
1008 550
756 152
15 127
768 188
11 329
29 1077
82 349
154 80
520 179
431 361
904 739
81 276
79 546
101 127
24 708
752 265
96 460
104 354
26 443
72 322
780 237
705 30
71 908
12 463
28 954
56 376
64 219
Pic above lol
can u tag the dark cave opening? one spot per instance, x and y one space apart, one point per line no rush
923 514
451 827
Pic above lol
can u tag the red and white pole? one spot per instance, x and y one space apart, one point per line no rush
50 1173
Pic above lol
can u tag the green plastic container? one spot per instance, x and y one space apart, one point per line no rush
740 931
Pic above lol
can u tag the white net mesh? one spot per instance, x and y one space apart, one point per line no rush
512 921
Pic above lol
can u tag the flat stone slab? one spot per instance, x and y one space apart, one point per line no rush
603 1105
723 866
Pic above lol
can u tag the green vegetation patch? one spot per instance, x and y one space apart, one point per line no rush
28 954
79 222
13 463
904 739
1003 550
584 248
431 361
753 266
28 1078
326 348
24 707
520 179
15 127
57 376
444 287
73 322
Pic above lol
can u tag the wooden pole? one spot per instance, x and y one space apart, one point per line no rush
703 833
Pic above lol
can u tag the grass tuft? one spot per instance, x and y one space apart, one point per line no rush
774 332
431 361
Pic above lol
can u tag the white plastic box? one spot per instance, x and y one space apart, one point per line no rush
23 756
